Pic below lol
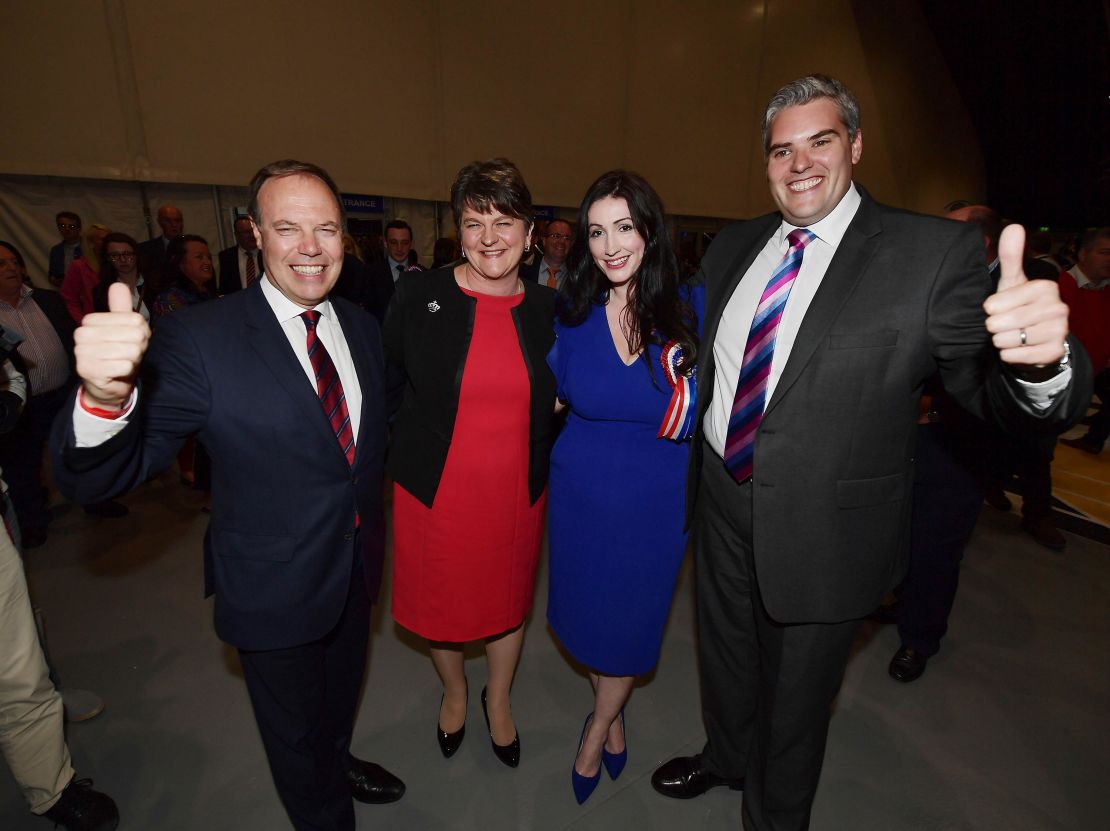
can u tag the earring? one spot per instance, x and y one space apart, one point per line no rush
464 255
527 247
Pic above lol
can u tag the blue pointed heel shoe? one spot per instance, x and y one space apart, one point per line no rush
583 785
615 762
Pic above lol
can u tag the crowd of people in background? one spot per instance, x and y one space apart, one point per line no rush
546 370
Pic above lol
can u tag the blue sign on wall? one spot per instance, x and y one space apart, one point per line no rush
361 203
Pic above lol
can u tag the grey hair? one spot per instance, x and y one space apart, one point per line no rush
807 89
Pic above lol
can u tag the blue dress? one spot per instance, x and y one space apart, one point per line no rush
616 501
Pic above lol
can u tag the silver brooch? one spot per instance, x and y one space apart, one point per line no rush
433 306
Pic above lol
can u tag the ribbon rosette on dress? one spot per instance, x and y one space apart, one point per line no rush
678 423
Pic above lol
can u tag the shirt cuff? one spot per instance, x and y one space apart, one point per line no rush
1039 396
91 430
12 380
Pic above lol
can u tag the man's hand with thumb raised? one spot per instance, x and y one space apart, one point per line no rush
1026 318
109 347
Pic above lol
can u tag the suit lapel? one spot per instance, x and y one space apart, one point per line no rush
268 340
850 261
722 286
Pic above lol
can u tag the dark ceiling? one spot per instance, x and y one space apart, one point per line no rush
1035 77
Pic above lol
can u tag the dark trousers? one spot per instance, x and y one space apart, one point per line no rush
1029 456
21 454
767 688
304 700
1099 430
947 497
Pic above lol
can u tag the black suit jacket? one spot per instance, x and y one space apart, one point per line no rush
902 299
230 279
427 337
281 546
152 261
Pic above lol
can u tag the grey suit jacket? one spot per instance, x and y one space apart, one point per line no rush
902 299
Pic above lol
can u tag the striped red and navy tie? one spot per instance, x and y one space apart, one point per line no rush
329 387
751 390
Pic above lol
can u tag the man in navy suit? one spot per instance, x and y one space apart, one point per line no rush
293 553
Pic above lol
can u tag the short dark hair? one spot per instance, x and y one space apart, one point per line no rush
495 184
808 89
175 253
988 220
238 219
398 225
289 167
60 215
1091 237
15 253
566 222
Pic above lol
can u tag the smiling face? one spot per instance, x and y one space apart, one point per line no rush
493 243
301 237
196 263
557 240
810 160
615 244
11 276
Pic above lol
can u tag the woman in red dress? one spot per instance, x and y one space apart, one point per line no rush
470 447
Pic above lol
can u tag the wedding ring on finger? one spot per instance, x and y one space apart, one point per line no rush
1021 333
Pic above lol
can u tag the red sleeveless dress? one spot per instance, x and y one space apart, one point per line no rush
465 568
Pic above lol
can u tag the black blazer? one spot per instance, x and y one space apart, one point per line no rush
902 299
229 279
152 262
427 335
281 546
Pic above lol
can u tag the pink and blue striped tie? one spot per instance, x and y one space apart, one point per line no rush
751 390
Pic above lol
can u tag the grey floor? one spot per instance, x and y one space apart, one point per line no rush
1008 729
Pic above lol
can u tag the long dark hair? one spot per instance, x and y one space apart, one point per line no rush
657 312
108 272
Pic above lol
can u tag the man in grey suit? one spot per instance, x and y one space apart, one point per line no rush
823 322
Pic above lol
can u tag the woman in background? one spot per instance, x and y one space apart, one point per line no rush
120 264
627 339
188 276
83 273
470 448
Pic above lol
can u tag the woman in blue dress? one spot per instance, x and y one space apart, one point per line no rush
623 360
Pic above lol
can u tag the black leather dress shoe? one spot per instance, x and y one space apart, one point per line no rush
373 784
685 777
907 665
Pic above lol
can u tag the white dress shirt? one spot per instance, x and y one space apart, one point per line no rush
732 333
91 430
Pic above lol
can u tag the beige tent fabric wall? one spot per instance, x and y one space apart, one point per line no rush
394 97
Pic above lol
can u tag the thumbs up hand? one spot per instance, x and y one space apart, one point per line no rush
109 347
1026 318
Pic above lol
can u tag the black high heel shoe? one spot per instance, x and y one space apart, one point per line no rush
509 754
450 742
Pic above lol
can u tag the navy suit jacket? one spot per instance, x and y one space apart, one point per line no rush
280 550
57 266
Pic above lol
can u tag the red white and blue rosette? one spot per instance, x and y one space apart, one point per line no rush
678 423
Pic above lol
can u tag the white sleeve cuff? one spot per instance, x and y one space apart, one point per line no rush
91 430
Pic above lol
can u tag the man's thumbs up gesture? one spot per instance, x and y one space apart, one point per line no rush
1026 318
109 347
